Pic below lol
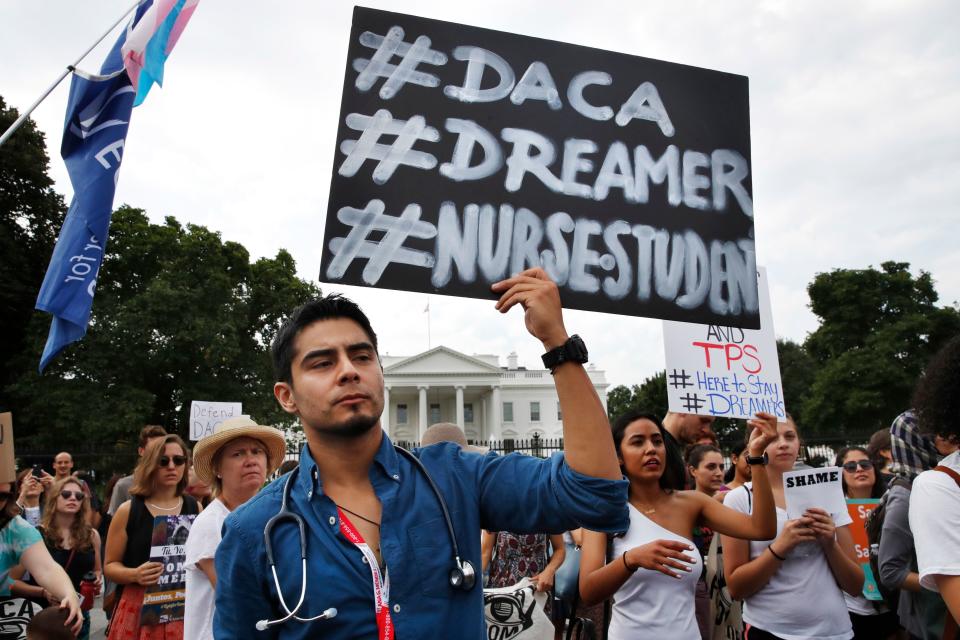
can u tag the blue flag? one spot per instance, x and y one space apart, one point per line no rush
94 131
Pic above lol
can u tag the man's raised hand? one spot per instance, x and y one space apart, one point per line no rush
540 298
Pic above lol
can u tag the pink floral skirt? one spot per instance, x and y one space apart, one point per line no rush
125 624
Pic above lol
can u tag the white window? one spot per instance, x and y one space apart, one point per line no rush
401 414
468 412
508 412
559 413
434 413
534 412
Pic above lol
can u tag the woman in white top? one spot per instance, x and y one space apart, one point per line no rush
791 585
235 461
653 570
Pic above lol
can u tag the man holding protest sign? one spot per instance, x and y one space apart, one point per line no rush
391 541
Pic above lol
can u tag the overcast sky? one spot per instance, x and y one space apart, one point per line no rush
854 126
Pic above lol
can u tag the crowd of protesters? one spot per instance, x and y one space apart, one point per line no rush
794 579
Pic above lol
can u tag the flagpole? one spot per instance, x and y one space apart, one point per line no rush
429 345
70 69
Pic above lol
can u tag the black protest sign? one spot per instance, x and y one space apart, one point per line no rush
465 155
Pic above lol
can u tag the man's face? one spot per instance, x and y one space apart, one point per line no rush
150 441
63 465
337 382
693 428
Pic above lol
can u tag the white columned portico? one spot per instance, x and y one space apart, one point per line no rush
460 419
496 415
385 416
422 406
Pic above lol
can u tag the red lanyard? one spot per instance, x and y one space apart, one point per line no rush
381 585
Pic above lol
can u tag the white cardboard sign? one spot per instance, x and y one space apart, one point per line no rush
813 488
727 372
205 416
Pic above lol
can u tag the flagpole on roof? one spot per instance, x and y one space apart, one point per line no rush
70 69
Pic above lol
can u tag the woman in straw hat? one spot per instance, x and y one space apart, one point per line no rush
235 461
158 484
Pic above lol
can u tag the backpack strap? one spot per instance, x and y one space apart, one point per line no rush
950 472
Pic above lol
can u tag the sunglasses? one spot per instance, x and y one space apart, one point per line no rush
5 495
77 495
178 461
853 464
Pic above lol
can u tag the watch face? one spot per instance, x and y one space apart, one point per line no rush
577 349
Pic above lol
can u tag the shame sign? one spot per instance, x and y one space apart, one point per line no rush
814 478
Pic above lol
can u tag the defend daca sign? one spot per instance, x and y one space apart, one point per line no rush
465 155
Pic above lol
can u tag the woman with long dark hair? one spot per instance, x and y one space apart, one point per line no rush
862 482
659 601
791 583
158 484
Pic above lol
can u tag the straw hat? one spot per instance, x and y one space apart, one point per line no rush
448 432
206 449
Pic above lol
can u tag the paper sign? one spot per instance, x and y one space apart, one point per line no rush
716 370
15 615
164 601
859 510
205 416
465 155
813 488
8 467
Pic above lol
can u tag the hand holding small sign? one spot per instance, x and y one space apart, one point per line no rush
763 432
794 532
822 526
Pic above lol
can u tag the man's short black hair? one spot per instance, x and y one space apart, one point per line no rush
325 308
936 400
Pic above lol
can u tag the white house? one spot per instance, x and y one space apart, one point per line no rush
490 402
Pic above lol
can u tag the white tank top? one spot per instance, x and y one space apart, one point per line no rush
651 602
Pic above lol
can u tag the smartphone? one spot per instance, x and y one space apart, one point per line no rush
37 471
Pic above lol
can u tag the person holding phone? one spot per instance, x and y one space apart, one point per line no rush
30 496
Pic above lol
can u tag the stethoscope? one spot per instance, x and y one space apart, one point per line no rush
462 576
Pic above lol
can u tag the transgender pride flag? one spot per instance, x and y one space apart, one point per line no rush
149 44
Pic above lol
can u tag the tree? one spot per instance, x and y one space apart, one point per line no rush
649 397
179 315
31 213
620 400
797 370
878 329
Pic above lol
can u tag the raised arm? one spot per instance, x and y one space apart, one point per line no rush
587 443
761 524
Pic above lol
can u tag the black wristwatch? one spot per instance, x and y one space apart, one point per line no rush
752 460
573 350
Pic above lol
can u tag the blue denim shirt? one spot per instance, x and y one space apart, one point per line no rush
511 493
